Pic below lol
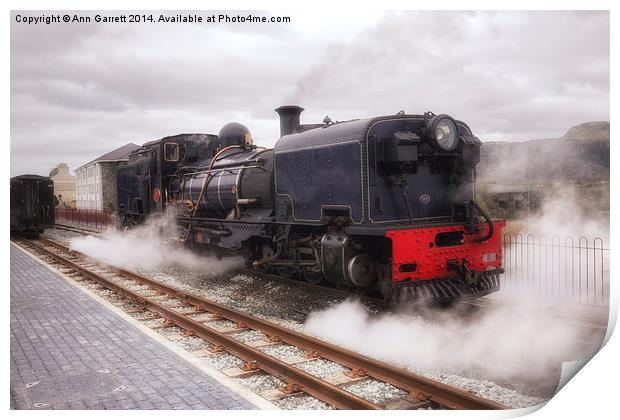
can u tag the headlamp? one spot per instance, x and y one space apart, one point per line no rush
443 132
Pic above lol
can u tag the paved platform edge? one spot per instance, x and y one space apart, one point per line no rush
195 361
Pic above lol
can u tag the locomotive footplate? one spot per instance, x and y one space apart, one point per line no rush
447 289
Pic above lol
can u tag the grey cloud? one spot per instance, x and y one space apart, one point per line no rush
516 74
78 91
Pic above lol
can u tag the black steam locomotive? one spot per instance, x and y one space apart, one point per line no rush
384 204
32 204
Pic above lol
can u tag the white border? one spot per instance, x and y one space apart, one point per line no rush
591 395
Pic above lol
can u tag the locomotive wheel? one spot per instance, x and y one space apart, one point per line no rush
32 234
248 260
445 302
285 272
265 252
386 289
312 278
126 225
361 270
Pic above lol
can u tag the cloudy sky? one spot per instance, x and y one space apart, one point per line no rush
81 90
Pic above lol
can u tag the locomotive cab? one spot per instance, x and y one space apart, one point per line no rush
144 181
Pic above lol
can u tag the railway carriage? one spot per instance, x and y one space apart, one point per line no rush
32 204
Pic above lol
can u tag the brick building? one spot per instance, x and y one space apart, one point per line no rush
96 180
64 185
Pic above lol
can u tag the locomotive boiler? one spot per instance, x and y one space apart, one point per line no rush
384 204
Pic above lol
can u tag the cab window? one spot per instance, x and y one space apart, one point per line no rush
171 152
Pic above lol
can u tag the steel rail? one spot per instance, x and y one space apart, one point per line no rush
302 380
76 229
419 387
331 291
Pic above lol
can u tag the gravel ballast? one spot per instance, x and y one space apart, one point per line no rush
375 391
285 304
305 402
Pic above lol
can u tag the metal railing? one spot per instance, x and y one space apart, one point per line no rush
557 267
98 219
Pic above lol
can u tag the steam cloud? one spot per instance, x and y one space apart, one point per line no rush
562 215
512 344
151 247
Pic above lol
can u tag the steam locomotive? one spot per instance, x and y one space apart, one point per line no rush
383 204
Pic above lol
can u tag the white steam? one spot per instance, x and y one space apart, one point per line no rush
564 213
561 253
151 246
504 342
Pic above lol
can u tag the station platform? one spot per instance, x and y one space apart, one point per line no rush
69 351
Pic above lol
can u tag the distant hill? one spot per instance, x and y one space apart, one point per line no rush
579 156
597 131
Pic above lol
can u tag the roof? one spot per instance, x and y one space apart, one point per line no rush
340 132
29 176
182 135
122 153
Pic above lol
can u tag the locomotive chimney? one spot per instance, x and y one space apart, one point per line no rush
289 118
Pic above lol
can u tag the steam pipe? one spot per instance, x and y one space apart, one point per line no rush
289 118
217 232
402 183
487 218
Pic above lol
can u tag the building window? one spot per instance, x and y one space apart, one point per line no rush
519 205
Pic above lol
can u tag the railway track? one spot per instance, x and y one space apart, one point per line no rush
149 297
325 291
598 321
296 313
83 231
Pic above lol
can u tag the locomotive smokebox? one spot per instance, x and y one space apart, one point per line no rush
289 118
